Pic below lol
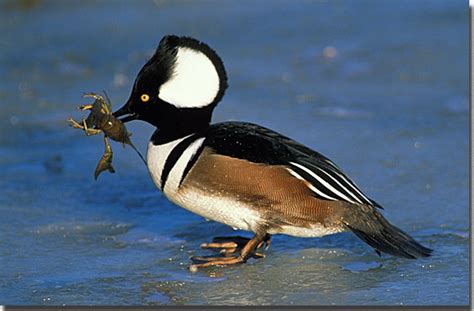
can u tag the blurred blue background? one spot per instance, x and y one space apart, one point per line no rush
381 88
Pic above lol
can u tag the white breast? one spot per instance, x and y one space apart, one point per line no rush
176 173
156 158
226 210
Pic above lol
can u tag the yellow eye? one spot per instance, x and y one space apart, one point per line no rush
145 98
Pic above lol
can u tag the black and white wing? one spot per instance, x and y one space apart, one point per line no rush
261 145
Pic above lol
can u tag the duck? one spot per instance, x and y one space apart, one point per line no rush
242 174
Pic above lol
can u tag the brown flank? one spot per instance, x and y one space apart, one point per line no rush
281 198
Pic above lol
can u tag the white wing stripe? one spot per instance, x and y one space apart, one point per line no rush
313 188
342 186
322 181
351 183
354 187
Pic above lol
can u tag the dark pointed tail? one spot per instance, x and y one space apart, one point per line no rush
371 227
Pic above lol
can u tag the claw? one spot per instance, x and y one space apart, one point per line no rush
93 95
85 107
225 245
75 124
224 261
210 259
243 248
258 255
90 131
227 251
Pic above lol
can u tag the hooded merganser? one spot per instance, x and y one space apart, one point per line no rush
241 174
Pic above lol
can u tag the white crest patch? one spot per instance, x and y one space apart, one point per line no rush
194 82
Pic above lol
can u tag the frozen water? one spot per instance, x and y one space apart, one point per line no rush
382 91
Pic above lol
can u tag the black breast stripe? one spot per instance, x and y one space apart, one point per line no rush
191 163
174 156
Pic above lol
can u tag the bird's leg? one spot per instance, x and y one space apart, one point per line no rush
247 251
231 244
